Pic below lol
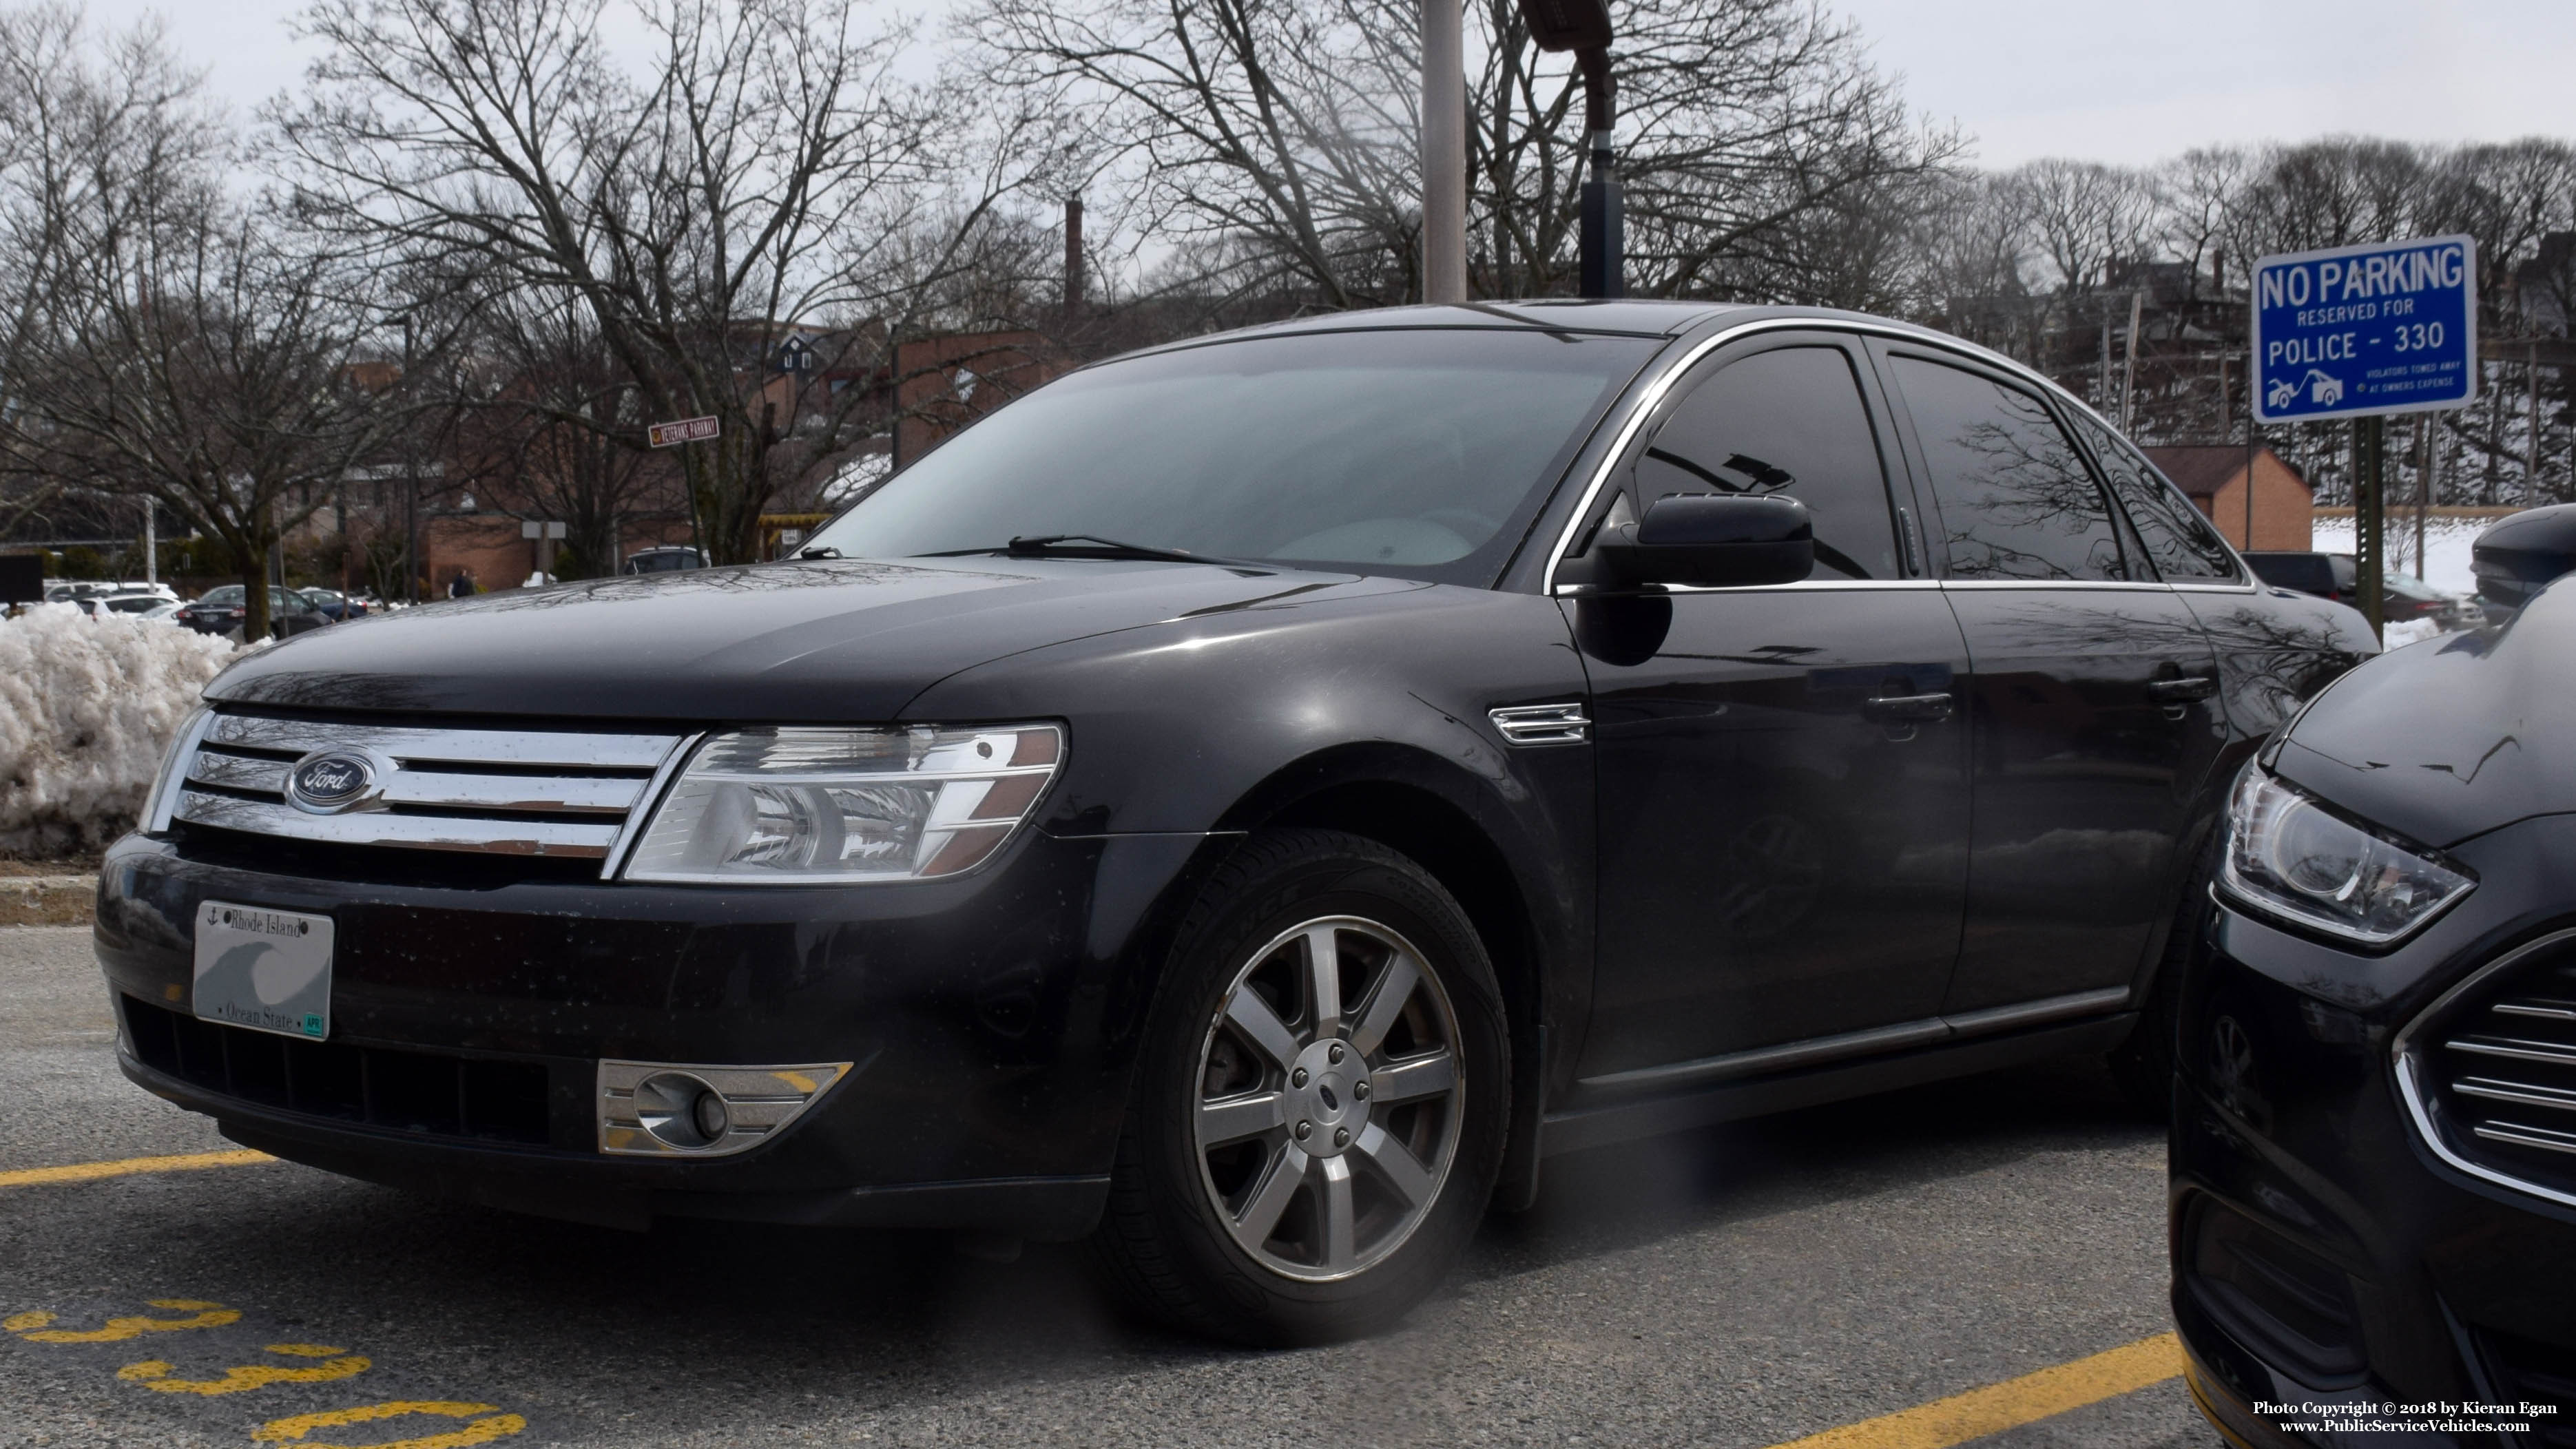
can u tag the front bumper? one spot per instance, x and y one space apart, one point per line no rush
2323 1255
990 1021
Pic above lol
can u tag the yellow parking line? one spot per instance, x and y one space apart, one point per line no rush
2012 1403
128 1166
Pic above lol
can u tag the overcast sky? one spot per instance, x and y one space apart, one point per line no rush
2128 82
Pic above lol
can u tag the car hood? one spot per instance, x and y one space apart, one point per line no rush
804 641
2454 736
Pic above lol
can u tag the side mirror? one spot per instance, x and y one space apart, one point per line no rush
1713 539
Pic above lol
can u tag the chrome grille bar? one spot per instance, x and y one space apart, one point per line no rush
639 752
532 792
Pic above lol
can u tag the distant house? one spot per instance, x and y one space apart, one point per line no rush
2212 475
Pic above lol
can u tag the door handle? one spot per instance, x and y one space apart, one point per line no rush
1908 708
2182 691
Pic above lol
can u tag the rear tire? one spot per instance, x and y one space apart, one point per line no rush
1309 1147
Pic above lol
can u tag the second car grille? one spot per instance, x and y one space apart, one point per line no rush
2491 1069
502 791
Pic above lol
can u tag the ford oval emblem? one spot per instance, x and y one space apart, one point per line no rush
328 782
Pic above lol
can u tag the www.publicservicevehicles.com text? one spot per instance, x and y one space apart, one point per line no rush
2431 1416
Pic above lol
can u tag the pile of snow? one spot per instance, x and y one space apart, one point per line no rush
87 708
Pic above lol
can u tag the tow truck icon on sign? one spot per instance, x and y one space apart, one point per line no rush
2324 391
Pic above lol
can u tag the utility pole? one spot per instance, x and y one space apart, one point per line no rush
1444 153
2129 362
1072 258
2531 460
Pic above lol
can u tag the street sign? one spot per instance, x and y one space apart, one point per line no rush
2389 327
532 528
686 430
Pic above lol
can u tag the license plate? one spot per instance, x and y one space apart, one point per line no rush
265 970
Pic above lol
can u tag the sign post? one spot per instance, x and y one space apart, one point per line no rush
671 435
2358 333
543 534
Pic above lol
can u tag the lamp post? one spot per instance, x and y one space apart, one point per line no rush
1583 26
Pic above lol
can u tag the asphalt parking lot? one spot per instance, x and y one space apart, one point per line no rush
1744 1287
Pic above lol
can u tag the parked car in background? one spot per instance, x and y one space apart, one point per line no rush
220 611
2326 575
2337 576
1250 801
334 604
2374 1136
664 560
2516 557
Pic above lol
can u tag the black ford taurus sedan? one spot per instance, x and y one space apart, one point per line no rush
1249 802
2374 1162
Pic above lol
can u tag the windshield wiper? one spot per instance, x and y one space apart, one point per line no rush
1092 545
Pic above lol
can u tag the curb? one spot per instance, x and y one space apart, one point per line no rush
47 900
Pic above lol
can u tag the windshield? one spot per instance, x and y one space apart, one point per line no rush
1418 453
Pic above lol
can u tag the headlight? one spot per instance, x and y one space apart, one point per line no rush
793 806
2287 855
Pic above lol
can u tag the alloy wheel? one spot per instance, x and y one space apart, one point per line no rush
1329 1098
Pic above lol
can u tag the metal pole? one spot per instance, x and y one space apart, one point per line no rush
2531 461
1603 261
1444 153
151 543
2129 362
2369 538
2424 489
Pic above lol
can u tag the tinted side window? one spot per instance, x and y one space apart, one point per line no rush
2180 541
2016 500
1786 421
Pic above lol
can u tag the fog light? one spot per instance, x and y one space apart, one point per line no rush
712 1119
668 1108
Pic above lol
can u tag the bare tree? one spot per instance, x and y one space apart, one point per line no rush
91 131
1274 138
743 189
205 362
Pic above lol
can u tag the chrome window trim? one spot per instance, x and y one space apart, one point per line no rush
2122 585
2411 1092
1662 387
1579 591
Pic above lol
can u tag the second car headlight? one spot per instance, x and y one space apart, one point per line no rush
793 806
2289 855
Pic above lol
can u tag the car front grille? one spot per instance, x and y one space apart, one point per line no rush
431 1094
2490 1070
495 791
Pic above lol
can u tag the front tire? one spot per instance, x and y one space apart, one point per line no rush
1320 1108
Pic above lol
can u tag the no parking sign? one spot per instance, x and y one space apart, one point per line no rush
2387 327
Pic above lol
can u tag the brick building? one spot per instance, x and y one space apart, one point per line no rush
2213 476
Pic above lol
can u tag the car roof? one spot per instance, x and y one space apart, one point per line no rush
1626 316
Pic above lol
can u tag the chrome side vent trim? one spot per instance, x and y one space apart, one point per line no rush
1542 724
521 792
2488 1072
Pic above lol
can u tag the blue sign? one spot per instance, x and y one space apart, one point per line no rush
2391 327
